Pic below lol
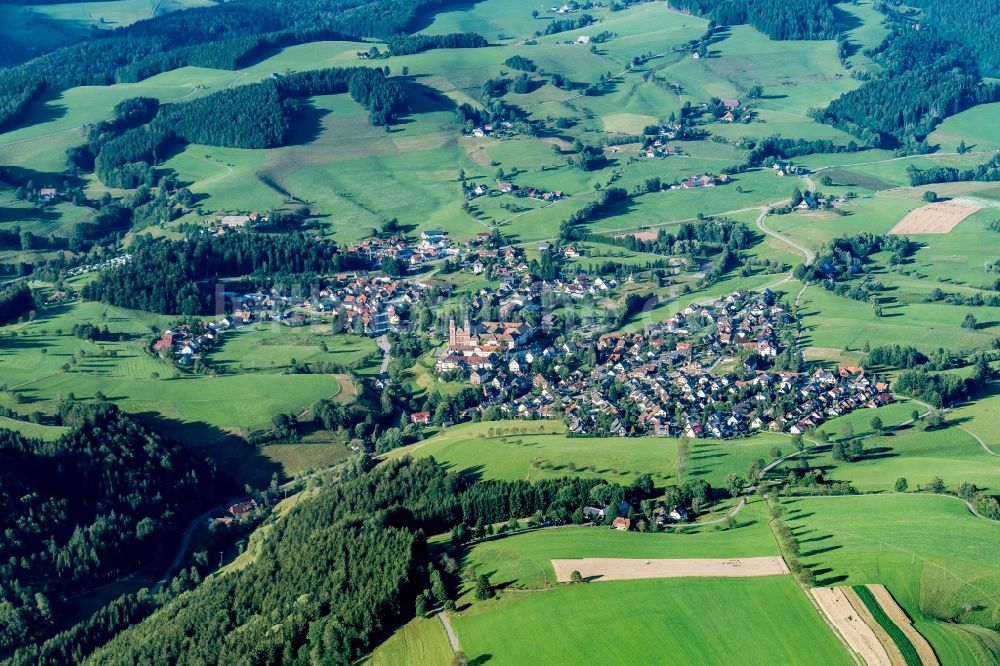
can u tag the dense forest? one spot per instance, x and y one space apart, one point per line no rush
226 36
778 19
972 23
96 504
175 276
123 150
343 569
926 78
15 302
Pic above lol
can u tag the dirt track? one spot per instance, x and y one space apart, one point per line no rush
902 620
935 218
602 568
852 628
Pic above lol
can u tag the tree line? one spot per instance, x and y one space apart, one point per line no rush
410 44
221 35
987 172
16 301
98 503
176 276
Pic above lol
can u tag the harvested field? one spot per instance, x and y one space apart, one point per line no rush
841 614
612 568
896 657
902 620
935 218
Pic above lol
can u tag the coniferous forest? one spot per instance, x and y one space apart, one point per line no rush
224 36
176 277
357 547
101 502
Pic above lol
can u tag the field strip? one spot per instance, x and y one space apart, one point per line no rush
902 620
895 656
852 628
613 568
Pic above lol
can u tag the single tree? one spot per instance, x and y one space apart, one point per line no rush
575 577
901 485
484 590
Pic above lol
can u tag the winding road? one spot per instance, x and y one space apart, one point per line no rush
809 255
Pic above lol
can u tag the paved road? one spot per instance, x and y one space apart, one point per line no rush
809 255
383 344
182 548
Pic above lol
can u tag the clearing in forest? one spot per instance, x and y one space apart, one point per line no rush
936 218
612 568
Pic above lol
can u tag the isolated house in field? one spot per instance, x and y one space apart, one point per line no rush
621 524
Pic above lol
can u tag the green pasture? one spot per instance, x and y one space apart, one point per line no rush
975 126
523 561
476 449
419 642
933 555
33 430
42 362
274 347
692 620
918 456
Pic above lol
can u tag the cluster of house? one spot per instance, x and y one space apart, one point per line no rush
733 112
226 223
434 244
478 347
184 343
120 260
506 187
597 515
788 169
702 180
658 148
665 380
501 129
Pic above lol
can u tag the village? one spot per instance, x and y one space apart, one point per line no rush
709 371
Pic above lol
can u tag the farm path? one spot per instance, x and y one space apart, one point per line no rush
907 157
452 638
980 440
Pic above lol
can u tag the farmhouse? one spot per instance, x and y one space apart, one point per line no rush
621 524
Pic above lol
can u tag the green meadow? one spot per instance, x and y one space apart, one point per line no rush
43 362
937 559
693 620
918 456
